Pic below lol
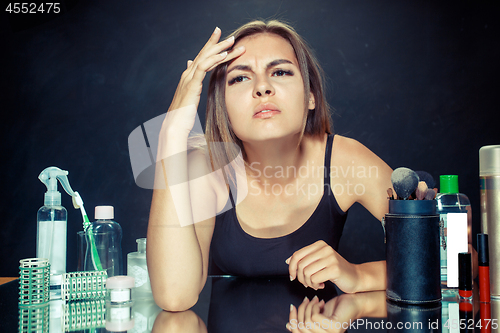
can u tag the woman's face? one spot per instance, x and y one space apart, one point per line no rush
265 90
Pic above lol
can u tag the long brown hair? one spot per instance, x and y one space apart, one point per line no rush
316 122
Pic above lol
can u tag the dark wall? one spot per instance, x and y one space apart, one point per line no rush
415 81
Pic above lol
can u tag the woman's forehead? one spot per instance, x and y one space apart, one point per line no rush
265 47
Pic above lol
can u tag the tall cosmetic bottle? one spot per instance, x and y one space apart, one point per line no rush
489 177
455 215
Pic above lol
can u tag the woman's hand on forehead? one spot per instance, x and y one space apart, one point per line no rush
189 89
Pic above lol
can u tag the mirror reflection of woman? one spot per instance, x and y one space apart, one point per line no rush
266 98
333 315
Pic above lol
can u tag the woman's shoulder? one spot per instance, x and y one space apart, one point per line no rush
344 151
348 150
355 164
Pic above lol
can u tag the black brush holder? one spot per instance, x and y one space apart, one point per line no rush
412 252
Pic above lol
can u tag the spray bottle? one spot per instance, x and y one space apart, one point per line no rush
52 226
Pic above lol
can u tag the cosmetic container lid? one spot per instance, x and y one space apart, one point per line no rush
412 207
104 213
489 161
464 271
448 184
141 245
482 249
120 282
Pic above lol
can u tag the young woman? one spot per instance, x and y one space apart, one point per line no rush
287 212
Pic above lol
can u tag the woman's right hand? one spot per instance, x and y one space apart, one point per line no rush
189 88
181 115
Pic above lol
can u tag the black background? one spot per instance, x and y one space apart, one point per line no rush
414 81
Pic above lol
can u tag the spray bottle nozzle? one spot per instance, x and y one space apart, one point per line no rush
49 177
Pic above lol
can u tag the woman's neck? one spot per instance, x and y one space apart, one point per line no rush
273 160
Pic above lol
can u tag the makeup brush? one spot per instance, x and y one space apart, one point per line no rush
430 194
404 181
389 193
421 190
427 178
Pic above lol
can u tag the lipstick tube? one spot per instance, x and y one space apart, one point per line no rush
484 267
464 275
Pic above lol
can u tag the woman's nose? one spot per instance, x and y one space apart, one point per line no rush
267 92
263 87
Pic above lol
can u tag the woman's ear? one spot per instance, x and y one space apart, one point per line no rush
312 102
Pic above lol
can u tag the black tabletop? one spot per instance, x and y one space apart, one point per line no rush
235 304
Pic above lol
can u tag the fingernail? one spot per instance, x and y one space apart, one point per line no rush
288 327
315 297
223 54
291 278
291 307
305 299
288 261
216 29
230 39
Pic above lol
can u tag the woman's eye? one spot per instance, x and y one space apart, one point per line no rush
281 72
237 79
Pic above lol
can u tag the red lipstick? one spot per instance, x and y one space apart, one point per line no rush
484 267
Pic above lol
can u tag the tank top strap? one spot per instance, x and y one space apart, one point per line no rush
328 160
231 184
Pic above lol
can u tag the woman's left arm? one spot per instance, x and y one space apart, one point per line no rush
318 262
376 180
372 275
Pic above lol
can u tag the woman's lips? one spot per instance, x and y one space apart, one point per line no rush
266 110
266 114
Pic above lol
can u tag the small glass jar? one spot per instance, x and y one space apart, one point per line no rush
138 268
119 289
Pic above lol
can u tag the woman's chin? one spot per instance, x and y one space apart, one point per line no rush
269 135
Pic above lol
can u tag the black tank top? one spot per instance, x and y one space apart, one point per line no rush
235 252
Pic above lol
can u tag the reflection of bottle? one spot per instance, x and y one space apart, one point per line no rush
145 312
489 173
455 213
137 267
107 236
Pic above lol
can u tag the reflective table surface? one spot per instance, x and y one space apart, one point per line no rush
235 304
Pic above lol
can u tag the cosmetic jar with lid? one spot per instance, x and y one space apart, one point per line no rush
119 289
